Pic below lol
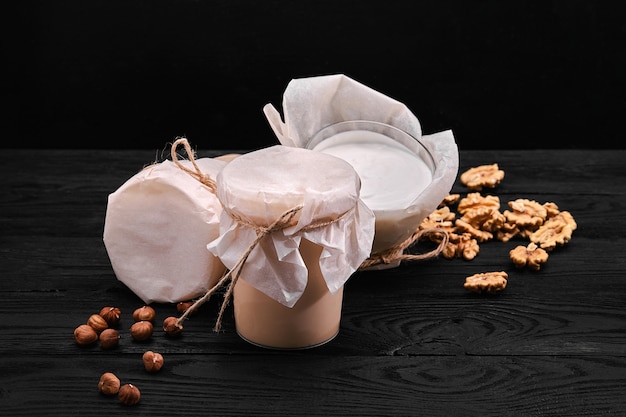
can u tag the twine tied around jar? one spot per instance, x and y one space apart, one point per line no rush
233 274
396 253
390 255
283 221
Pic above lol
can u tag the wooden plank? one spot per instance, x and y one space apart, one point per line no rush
307 384
412 339
570 307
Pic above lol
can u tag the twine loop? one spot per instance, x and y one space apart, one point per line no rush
196 173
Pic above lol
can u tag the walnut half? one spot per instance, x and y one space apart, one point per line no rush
461 246
482 176
555 231
531 256
489 282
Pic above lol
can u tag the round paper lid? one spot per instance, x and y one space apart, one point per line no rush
261 185
157 226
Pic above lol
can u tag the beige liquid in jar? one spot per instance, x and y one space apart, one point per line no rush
312 321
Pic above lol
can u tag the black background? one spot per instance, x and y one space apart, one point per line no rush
136 74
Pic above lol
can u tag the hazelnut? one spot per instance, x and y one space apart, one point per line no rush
97 323
152 361
129 394
85 335
111 315
141 330
183 306
144 313
109 338
109 384
171 326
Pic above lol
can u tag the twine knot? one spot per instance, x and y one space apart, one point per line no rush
235 272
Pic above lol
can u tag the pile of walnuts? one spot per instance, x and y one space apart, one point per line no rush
479 218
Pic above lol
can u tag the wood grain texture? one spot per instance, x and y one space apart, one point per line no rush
412 340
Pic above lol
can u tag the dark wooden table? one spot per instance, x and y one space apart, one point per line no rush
413 341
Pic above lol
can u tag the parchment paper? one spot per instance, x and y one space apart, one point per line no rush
157 226
260 186
310 104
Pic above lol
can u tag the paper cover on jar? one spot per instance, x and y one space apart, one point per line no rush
312 104
157 226
257 188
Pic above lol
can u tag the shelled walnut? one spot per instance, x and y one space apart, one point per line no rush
482 176
526 213
531 256
449 200
507 232
461 246
555 231
481 222
489 282
473 201
442 218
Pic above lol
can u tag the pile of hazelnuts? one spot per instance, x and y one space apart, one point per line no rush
128 394
102 328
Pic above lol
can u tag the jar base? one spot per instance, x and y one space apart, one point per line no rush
287 347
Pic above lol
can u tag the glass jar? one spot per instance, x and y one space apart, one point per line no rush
395 169
289 293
